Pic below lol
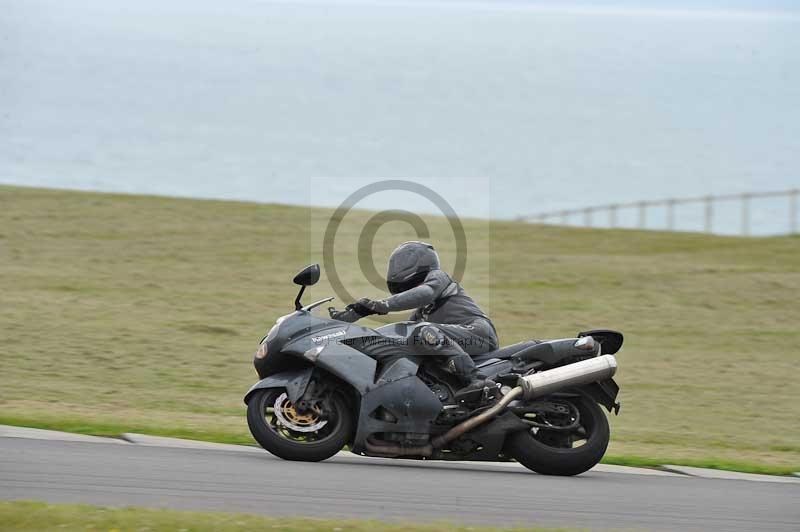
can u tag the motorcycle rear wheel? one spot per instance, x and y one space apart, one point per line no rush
282 431
549 453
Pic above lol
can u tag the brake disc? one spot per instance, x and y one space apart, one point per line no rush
293 420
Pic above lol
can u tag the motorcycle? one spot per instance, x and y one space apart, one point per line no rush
326 385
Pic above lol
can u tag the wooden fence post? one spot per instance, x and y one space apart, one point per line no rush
671 214
642 214
746 214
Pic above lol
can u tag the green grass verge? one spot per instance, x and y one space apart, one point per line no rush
131 313
114 430
709 463
34 516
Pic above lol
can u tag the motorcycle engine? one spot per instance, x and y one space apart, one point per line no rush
442 393
452 414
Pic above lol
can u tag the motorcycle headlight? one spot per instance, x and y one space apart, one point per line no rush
262 350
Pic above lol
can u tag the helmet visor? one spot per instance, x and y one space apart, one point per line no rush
396 287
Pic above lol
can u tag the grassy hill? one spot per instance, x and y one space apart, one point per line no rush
131 313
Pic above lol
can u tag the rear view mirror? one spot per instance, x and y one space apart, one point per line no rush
307 276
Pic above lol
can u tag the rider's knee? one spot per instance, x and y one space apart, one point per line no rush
432 337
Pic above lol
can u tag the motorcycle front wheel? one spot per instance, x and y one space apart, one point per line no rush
310 436
564 453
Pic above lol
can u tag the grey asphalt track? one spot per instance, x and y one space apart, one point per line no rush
119 475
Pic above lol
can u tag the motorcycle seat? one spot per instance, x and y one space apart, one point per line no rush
504 352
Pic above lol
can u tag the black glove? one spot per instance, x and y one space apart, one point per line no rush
371 306
359 309
347 315
336 314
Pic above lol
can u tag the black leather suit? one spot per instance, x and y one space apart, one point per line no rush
452 325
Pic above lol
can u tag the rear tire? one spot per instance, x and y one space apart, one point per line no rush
545 459
284 443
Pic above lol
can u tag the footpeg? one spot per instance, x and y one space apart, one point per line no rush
477 395
469 396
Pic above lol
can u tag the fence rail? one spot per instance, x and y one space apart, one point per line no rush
709 203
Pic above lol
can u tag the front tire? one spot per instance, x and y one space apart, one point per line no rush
279 429
550 453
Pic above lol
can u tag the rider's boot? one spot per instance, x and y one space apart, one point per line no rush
472 379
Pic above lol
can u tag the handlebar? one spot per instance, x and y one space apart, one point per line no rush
315 304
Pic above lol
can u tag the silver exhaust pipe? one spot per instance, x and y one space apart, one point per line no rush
536 385
583 372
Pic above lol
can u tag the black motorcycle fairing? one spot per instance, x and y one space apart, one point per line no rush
604 393
323 345
280 356
494 366
397 369
610 340
487 441
276 363
400 329
411 404
394 389
294 381
350 365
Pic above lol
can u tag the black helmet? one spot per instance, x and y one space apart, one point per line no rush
409 264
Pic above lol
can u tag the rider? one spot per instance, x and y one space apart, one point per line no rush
455 327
